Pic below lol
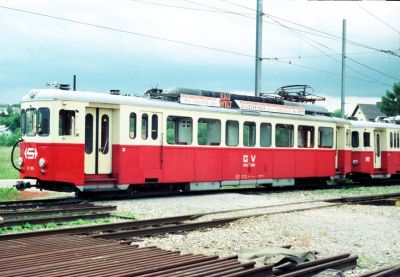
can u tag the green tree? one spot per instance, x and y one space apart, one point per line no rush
391 101
337 113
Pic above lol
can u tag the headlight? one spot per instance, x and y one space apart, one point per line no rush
355 162
42 163
20 161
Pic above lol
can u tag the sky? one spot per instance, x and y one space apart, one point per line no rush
40 49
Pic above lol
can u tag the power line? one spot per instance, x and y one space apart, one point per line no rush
331 36
167 40
305 39
178 7
373 69
367 11
128 32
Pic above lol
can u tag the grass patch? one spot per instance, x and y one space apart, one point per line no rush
124 214
6 169
7 194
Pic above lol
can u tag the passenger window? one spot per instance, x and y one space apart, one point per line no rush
43 124
209 131
391 139
355 140
284 135
249 133
265 134
145 125
31 116
179 130
66 123
105 134
23 122
305 136
89 133
325 137
132 125
232 133
154 126
367 140
398 140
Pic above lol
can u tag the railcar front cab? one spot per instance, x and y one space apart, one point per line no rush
371 156
52 147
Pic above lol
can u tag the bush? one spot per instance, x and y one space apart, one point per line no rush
10 140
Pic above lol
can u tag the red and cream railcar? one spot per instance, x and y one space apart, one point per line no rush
374 150
89 141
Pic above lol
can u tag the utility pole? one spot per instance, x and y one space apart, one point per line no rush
259 21
342 113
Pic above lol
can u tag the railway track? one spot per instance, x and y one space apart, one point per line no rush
149 262
19 213
131 229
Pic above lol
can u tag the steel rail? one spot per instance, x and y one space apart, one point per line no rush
19 222
100 227
342 264
165 229
38 201
6 214
393 271
38 205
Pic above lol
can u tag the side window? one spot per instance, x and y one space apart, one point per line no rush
179 130
391 139
398 140
132 125
305 136
325 137
265 134
154 126
145 125
367 140
88 133
249 133
284 135
43 124
209 131
31 120
66 123
355 140
232 133
105 134
23 122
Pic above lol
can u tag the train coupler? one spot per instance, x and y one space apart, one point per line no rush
21 185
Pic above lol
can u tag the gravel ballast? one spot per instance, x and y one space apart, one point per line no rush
371 232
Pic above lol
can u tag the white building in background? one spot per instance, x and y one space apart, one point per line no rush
4 130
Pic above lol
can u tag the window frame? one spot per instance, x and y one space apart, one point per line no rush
237 133
38 118
251 126
134 131
320 142
34 123
270 134
73 122
308 128
358 139
284 126
205 120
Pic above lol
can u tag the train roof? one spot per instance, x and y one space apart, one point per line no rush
371 124
96 97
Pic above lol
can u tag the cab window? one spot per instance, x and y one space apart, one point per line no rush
355 139
31 120
43 123
66 123
23 122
